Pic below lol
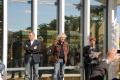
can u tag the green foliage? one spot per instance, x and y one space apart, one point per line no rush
72 23
53 24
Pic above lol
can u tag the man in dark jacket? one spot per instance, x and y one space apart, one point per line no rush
101 70
32 57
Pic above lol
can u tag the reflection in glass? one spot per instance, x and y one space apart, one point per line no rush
72 30
47 30
19 23
97 22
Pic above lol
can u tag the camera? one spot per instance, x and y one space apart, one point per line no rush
118 51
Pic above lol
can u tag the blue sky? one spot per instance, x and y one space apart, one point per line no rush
19 16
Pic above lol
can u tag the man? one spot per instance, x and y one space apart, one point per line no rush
17 55
91 57
101 70
60 51
32 57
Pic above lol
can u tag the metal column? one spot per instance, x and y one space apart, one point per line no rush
5 37
61 13
86 21
34 17
85 30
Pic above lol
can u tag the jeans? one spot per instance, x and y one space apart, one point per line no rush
58 70
28 69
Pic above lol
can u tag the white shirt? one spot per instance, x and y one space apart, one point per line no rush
31 42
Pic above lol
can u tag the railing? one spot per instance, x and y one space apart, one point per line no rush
40 68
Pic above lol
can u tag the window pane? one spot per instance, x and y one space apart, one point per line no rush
97 22
72 29
19 22
47 30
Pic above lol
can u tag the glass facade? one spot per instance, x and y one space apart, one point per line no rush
72 30
98 22
19 23
47 28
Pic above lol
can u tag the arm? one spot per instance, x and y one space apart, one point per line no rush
101 69
66 51
36 48
27 47
85 51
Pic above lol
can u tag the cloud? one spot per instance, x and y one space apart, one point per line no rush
27 11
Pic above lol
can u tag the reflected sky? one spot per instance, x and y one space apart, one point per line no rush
19 14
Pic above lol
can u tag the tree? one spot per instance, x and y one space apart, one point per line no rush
52 24
72 23
96 17
43 26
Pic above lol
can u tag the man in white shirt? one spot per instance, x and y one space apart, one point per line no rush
32 57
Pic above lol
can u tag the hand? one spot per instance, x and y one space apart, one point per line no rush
112 54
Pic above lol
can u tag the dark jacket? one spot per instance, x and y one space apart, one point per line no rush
56 48
87 52
17 49
32 50
99 71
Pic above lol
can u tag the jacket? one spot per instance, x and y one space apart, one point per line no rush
32 51
56 47
100 71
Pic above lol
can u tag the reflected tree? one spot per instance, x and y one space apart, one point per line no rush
96 17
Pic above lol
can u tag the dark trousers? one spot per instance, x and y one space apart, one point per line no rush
16 63
41 65
87 71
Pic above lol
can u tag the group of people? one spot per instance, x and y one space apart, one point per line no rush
94 69
60 49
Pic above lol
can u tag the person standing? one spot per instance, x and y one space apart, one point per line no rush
60 49
32 57
101 70
16 55
91 57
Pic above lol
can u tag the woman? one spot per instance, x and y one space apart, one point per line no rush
60 51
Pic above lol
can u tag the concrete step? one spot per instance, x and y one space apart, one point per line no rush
49 77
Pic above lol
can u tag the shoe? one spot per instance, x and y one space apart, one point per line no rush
20 76
12 77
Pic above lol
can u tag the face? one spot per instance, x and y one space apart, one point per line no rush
31 36
62 39
92 42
